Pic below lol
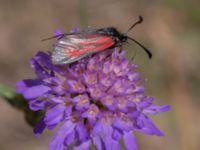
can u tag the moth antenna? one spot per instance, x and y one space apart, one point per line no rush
53 37
144 48
60 36
136 23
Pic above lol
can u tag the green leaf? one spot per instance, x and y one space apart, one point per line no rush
14 99
32 117
18 102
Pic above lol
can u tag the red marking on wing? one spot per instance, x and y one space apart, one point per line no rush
90 44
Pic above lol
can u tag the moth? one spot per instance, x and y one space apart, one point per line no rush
71 47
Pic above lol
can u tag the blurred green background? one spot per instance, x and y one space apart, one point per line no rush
171 29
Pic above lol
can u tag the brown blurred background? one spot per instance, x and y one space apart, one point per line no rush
171 30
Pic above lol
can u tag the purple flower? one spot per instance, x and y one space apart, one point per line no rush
95 101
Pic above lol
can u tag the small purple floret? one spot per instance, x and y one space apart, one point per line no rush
96 101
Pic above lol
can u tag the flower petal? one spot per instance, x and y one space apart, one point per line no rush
153 109
83 146
57 142
75 86
129 141
97 142
22 85
36 91
39 128
146 126
82 132
57 32
69 138
111 144
36 105
54 115
39 70
116 134
75 30
122 124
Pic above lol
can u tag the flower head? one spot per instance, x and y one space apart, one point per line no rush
96 101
